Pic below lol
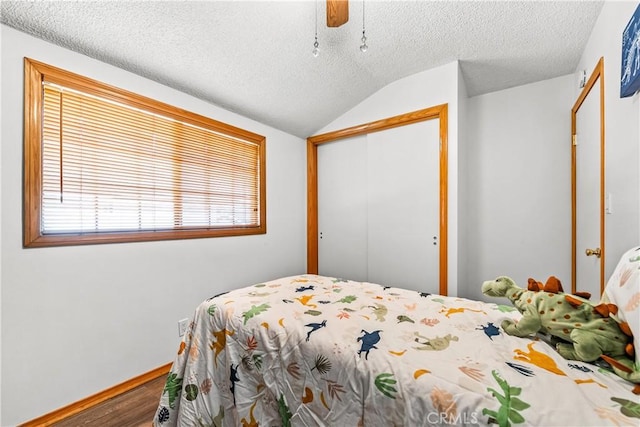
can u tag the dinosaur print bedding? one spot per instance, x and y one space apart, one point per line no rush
320 351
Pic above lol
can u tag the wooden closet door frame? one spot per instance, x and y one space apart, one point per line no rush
439 112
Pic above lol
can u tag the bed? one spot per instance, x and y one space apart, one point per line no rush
310 350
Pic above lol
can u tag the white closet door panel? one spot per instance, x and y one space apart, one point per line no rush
403 204
342 213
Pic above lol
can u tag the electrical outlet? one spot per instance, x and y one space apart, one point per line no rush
182 326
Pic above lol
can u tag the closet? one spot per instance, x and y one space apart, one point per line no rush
379 196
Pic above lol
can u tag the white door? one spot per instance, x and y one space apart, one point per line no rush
403 204
342 216
378 198
588 207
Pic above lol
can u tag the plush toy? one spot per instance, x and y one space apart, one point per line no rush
588 331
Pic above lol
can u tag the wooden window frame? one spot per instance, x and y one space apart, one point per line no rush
34 74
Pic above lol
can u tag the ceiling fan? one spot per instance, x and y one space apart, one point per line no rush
337 12
337 15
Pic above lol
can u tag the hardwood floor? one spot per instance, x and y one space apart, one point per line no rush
134 408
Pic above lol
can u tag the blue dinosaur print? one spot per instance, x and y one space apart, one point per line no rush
314 327
490 330
305 288
234 379
579 367
521 369
369 341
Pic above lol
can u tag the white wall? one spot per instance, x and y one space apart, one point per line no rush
1 144
77 320
418 91
517 184
509 165
463 185
515 170
622 140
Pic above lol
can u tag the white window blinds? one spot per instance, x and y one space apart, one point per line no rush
110 167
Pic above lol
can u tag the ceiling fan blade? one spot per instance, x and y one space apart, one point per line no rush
337 12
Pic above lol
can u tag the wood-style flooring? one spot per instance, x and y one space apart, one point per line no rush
134 408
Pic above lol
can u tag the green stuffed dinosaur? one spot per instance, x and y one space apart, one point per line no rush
588 330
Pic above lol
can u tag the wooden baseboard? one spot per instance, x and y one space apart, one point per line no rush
88 402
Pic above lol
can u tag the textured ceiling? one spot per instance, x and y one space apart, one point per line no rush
254 57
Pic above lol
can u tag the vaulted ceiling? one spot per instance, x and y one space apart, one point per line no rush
254 57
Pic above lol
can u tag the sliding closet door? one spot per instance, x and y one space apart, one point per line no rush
402 196
342 218
378 198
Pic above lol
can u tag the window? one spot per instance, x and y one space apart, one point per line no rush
105 165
